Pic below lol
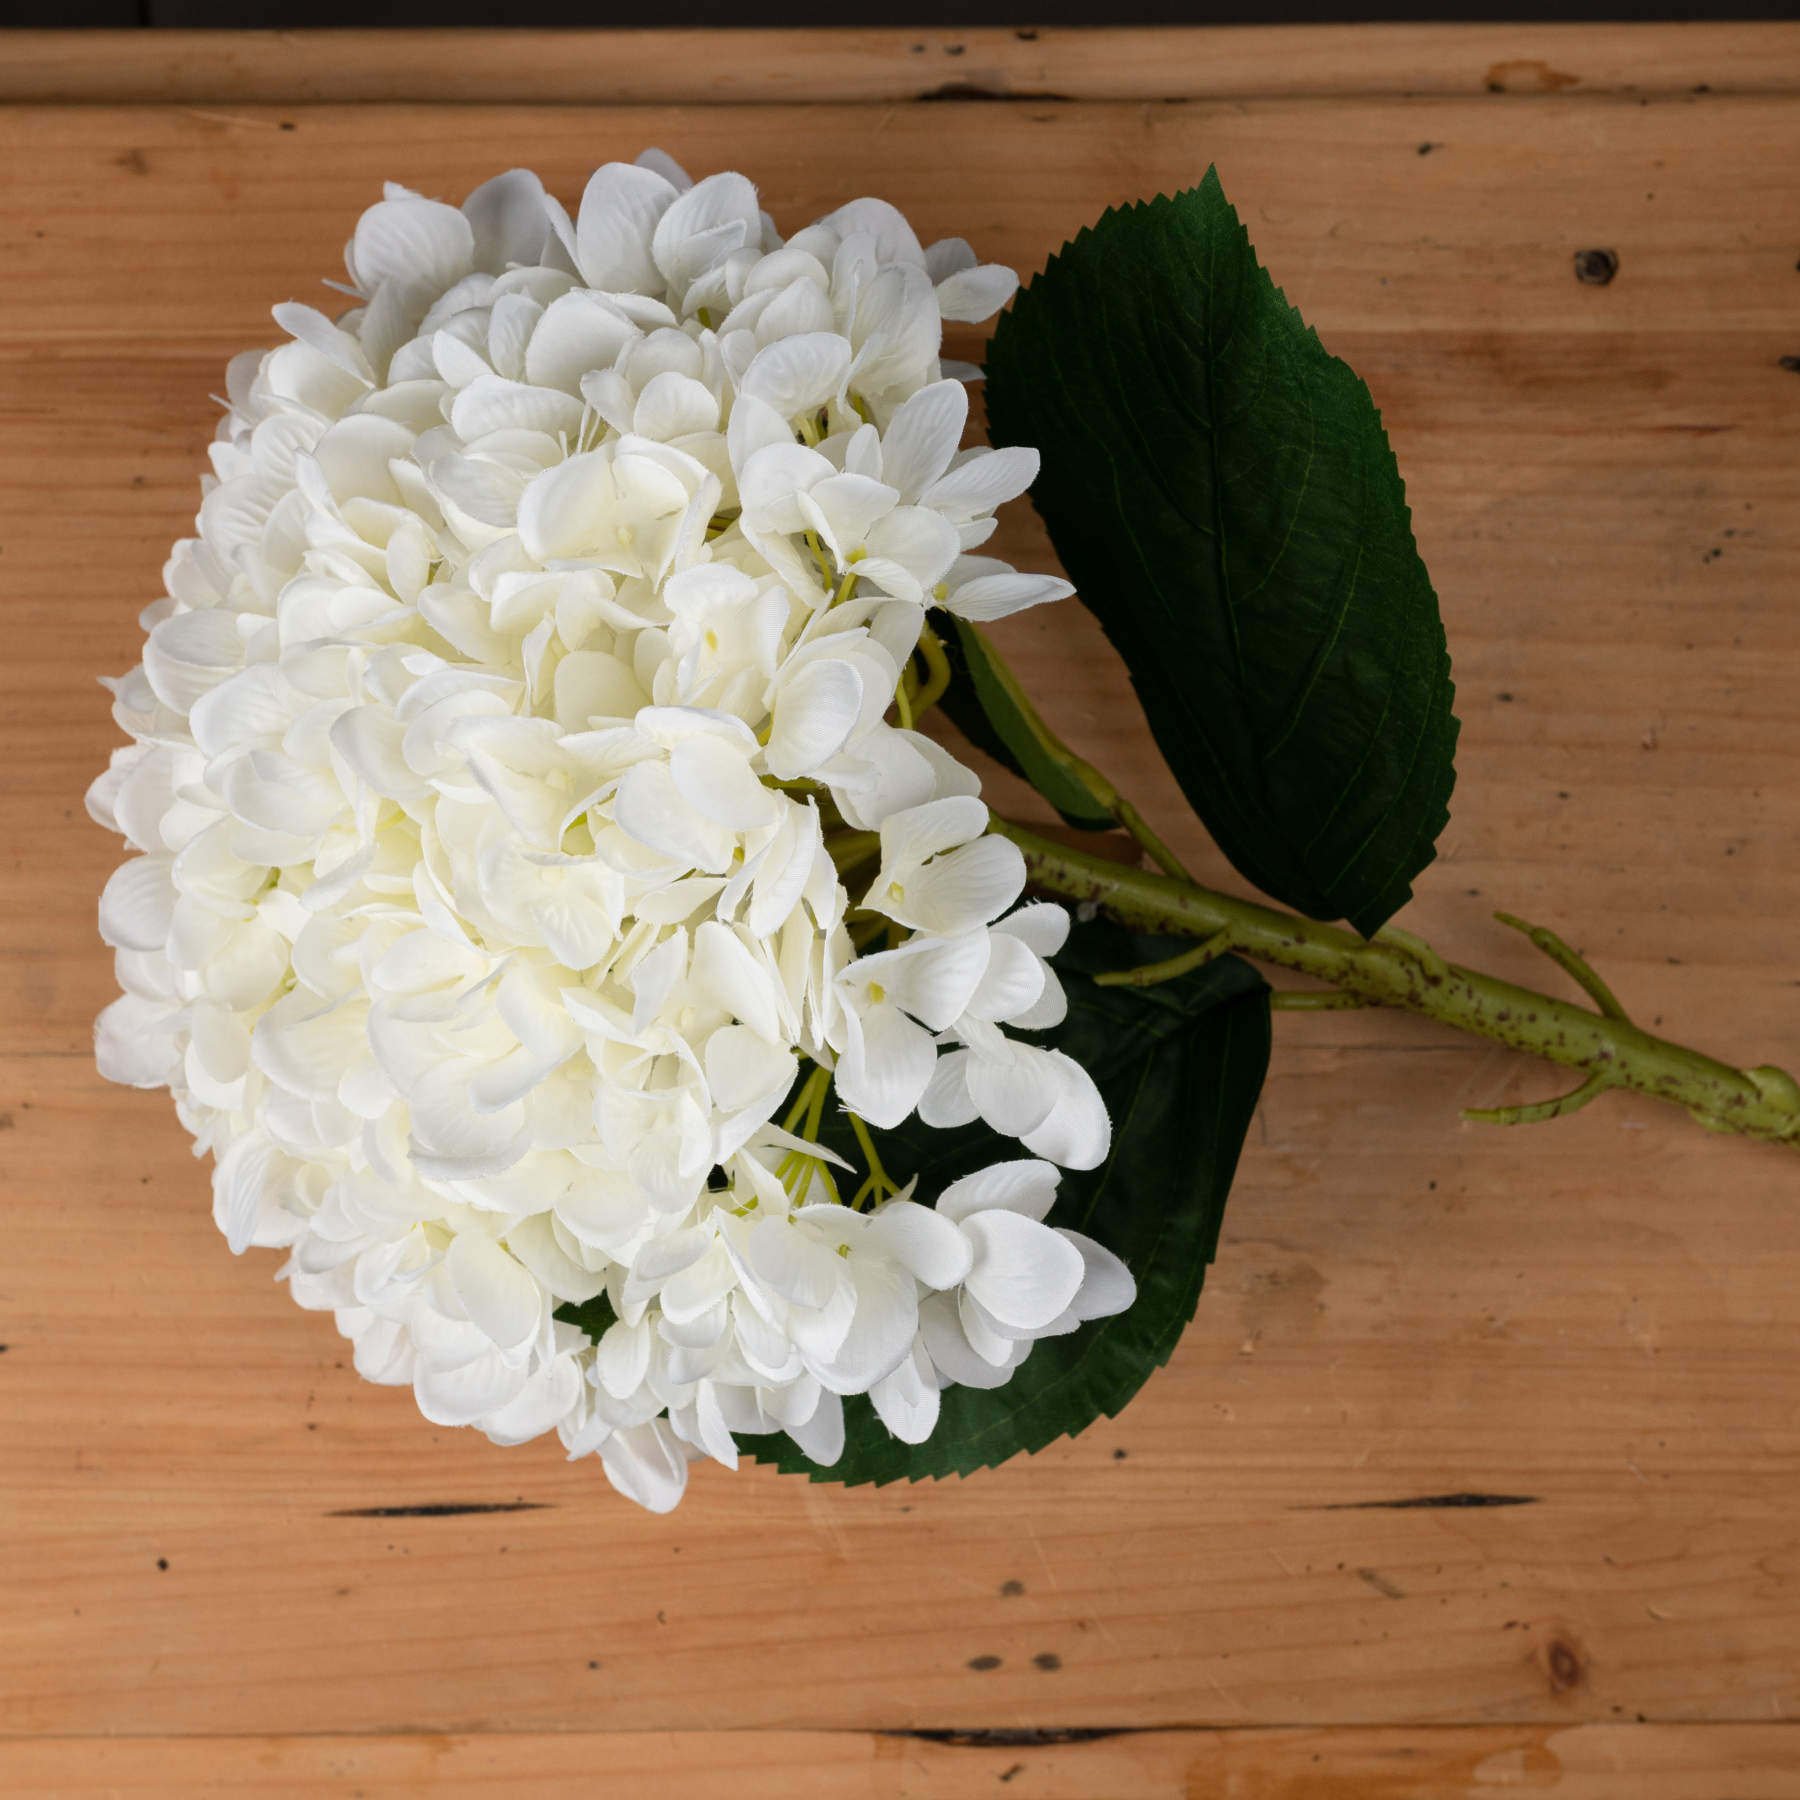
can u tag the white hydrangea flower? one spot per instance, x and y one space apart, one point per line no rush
494 751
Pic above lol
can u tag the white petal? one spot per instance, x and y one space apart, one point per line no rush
715 1435
1014 1095
547 1398
916 540
1106 1287
649 809
745 1070
925 1242
646 1463
885 1067
999 596
934 979
821 1435
984 480
1077 1134
946 1101
579 332
793 1263
947 257
307 1046
672 405
971 295
1013 981
907 1399
922 436
1024 1273
923 831
1024 1187
138 904
535 1243
619 213
238 1182
669 1254
716 780
420 245
1042 926
134 1042
893 238
453 1142
369 739
492 403
799 374
593 684
499 1295
250 706
734 980
507 219
947 1344
719 213
622 1358
653 980
849 506
962 888
814 715
604 1212
467 1394
881 1331
667 167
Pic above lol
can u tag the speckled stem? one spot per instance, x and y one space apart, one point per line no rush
1397 969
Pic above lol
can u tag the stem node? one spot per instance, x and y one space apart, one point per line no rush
1571 962
1539 1110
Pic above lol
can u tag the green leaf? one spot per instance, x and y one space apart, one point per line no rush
1222 494
1180 1066
595 1316
994 714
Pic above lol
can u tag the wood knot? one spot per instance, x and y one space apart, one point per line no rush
1596 267
1564 1663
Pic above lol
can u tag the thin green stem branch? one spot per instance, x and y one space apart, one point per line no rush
1397 969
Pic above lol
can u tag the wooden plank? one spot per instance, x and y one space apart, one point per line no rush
1587 1762
648 67
217 216
1404 1308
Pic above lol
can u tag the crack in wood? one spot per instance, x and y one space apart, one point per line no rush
1422 1502
974 90
439 1509
1016 1738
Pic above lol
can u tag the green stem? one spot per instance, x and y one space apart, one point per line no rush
1397 969
1083 774
879 1183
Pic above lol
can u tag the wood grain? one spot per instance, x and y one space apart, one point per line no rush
236 68
1584 1762
1593 1320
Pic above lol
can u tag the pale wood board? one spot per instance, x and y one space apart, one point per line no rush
1582 1762
1089 63
1596 1316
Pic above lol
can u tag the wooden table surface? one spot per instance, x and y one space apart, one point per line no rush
231 1566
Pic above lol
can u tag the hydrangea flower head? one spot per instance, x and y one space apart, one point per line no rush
529 833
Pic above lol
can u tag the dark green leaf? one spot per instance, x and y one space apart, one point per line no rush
990 710
1222 494
594 1316
1180 1066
